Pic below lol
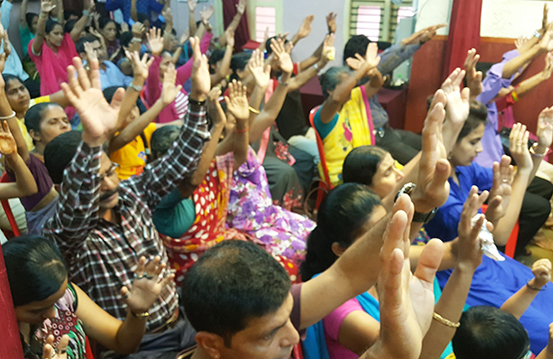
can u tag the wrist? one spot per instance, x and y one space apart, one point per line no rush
197 98
536 283
467 267
138 81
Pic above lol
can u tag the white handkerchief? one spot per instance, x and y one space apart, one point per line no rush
488 245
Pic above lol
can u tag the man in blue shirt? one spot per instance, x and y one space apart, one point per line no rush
145 7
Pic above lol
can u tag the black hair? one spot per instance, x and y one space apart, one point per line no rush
477 116
331 78
126 38
29 17
59 153
340 219
268 49
238 62
33 117
490 333
84 40
109 92
68 13
7 78
162 139
51 25
103 21
215 57
356 45
142 18
361 164
484 67
69 25
230 284
36 269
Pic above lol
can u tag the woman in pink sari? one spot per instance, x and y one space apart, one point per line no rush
51 50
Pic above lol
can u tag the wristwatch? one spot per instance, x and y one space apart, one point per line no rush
537 34
135 87
424 218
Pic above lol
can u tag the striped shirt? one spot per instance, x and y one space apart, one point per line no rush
101 255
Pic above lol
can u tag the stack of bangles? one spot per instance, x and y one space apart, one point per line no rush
244 130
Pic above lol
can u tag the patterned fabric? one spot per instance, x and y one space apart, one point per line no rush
211 201
65 322
251 211
101 255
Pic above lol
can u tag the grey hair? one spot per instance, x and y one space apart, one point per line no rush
331 78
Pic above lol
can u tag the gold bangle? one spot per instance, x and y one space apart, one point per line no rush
140 315
444 321
253 110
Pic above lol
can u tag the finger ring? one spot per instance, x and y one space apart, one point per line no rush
505 181
61 351
139 276
148 276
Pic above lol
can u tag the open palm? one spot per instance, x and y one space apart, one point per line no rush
99 119
260 72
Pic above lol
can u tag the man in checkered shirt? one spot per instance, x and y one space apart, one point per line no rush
103 226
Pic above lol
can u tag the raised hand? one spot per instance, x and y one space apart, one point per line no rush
406 300
156 41
237 101
168 15
125 26
6 41
99 119
283 57
169 91
48 351
544 18
331 22
542 272
458 104
229 35
329 52
241 7
261 72
192 5
432 186
46 6
184 37
91 54
545 128
500 193
201 80
546 42
423 35
140 66
305 28
473 77
518 144
469 246
147 285
7 142
138 30
206 14
365 64
548 69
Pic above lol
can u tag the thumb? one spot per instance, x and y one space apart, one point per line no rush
430 260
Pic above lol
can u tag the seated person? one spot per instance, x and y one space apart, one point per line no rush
51 50
403 145
130 146
48 304
241 302
344 119
101 220
489 332
506 275
110 75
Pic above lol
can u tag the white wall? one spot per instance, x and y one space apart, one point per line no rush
180 15
500 18
294 11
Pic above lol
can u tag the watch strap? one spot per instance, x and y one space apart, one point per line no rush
424 217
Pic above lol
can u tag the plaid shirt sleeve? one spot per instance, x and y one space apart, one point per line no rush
78 202
163 175
393 56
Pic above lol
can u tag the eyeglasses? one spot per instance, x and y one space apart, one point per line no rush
110 172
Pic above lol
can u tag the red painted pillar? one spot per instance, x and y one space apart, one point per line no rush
10 344
464 33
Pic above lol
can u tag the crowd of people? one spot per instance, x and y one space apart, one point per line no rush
159 183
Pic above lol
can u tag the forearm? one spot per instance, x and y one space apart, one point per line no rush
59 9
176 54
450 306
310 61
129 335
241 143
529 84
189 184
6 111
235 22
271 110
521 300
22 13
40 32
200 32
304 76
225 66
374 85
395 56
135 128
192 28
79 28
24 180
511 67
185 71
502 231
134 12
255 103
